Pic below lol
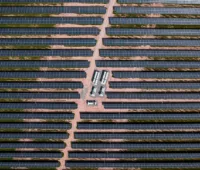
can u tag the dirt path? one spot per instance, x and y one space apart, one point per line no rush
87 84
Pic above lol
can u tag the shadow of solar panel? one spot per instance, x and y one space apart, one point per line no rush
135 145
37 115
39 53
40 105
49 41
35 145
31 155
37 164
40 95
42 85
146 21
160 1
49 74
155 10
54 10
135 31
33 135
154 85
52 20
32 125
129 164
50 31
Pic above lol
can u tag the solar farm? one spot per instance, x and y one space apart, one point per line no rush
100 84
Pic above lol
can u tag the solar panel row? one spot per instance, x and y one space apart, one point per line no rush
42 145
56 1
139 126
34 164
41 105
50 41
135 146
38 74
152 95
141 115
155 10
52 20
135 155
31 155
45 63
50 31
129 164
33 135
147 64
150 42
39 53
160 1
147 53
157 75
153 85
53 10
157 105
137 136
40 95
36 115
146 21
42 85
37 125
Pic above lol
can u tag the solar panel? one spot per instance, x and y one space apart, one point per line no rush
147 64
37 164
148 53
38 74
158 105
157 75
160 1
129 164
53 9
55 1
31 155
138 126
52 20
150 42
35 145
42 85
50 31
37 115
135 155
49 41
155 10
146 21
39 53
41 105
32 125
141 116
134 145
33 135
154 85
